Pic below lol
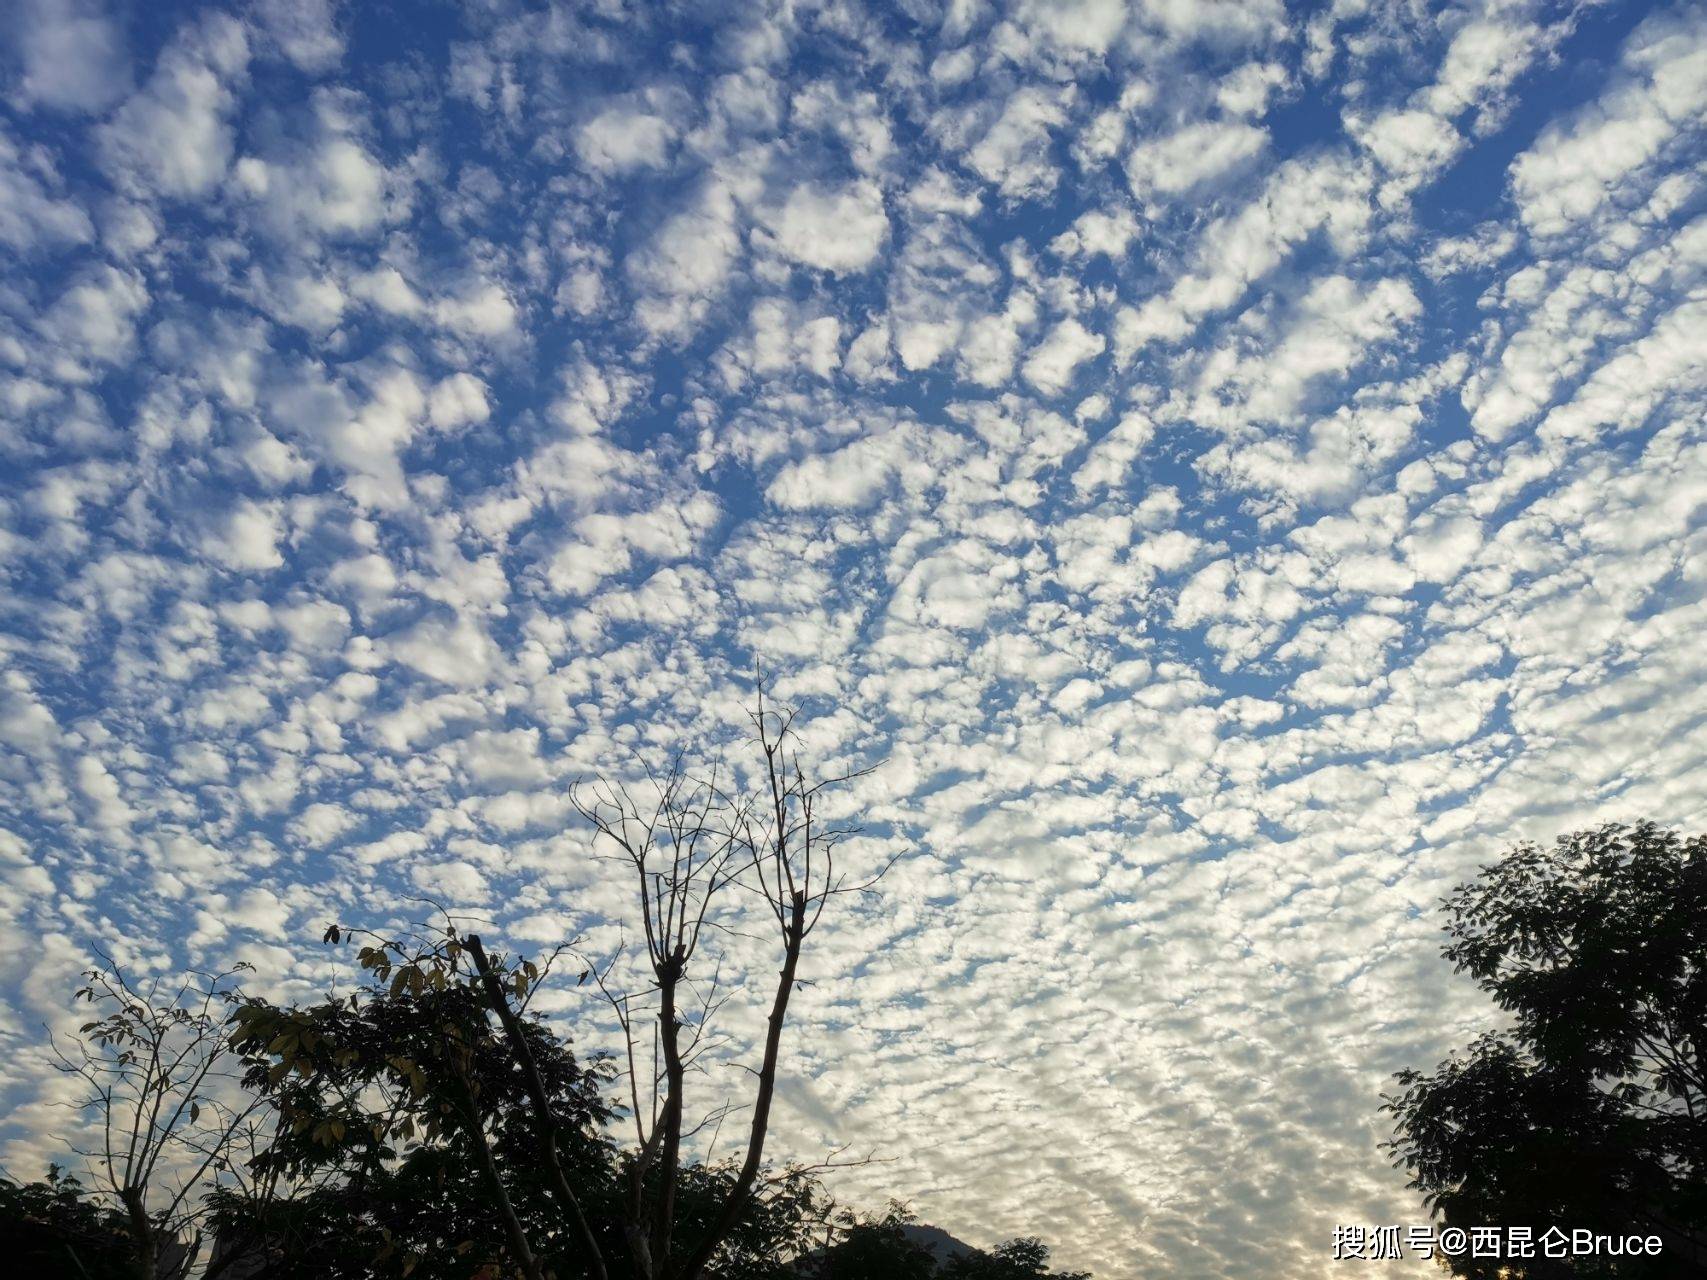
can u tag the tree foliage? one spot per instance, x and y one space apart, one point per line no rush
54 1227
403 1143
402 1120
1589 1112
884 1247
408 1128
157 1077
874 1248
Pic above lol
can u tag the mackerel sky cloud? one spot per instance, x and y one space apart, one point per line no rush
1232 467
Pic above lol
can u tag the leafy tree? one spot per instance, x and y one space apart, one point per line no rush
875 1249
1590 1111
54 1227
428 1125
409 1134
408 1131
882 1248
159 1089
1026 1258
785 1216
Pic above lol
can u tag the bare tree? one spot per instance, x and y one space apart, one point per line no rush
162 1092
688 841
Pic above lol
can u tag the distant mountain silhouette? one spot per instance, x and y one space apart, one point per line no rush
942 1246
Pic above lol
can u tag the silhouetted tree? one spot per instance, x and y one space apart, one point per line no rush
426 1125
406 1131
1026 1258
1590 1112
160 1095
873 1248
53 1227
688 841
410 1144
887 1247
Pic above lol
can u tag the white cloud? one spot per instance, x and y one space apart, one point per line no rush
261 911
1439 547
305 31
173 136
1192 157
1014 154
312 625
620 141
456 881
320 824
273 462
457 652
958 588
990 344
782 338
30 217
387 289
102 794
868 355
1097 232
605 543
1081 26
1216 22
1575 168
309 302
1485 55
73 54
1303 198
249 539
839 231
97 315
349 187
1666 362
1110 459
1052 362
846 479
457 401
687 264
498 760
1411 146
480 310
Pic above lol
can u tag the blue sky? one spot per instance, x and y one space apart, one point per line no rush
1235 466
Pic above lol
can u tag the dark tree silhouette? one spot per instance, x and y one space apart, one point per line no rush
888 1247
409 1141
1590 1112
873 1248
689 841
169 1125
53 1227
1026 1258
402 1143
405 1132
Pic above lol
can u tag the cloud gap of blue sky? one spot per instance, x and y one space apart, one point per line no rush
1233 466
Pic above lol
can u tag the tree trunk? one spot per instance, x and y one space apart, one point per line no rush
545 1118
142 1233
670 1150
742 1191
506 1210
